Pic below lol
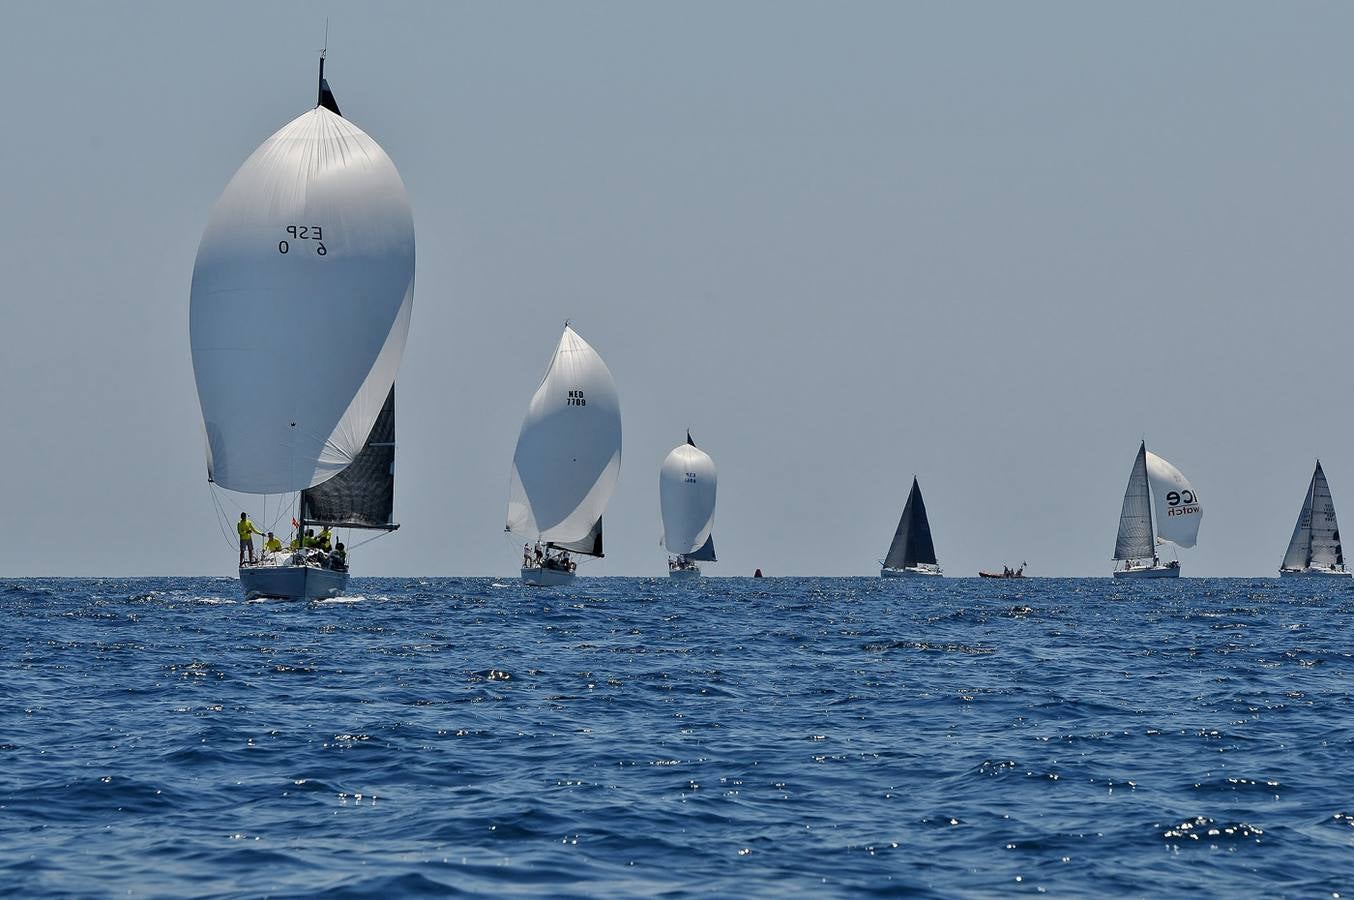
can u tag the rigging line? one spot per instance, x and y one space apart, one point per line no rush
375 537
220 519
282 511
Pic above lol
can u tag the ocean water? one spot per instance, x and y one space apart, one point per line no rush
778 737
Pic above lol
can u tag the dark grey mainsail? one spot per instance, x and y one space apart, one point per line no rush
1316 536
705 552
1135 539
912 544
363 494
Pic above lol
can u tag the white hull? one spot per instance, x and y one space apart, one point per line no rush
886 572
1312 573
690 574
543 577
1149 572
292 582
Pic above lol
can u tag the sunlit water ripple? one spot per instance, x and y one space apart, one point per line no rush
632 736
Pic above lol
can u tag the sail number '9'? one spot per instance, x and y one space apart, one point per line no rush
303 233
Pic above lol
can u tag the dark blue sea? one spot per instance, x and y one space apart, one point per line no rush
632 737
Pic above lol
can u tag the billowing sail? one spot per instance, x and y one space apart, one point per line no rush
1135 519
1316 536
300 305
362 495
568 452
687 483
912 541
1178 509
704 553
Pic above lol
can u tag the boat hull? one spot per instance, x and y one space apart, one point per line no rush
690 574
886 572
292 582
1149 572
1311 573
539 576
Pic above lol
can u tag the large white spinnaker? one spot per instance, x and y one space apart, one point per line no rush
300 305
687 484
1178 510
568 453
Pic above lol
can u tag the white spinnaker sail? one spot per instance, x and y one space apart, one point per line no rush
568 453
1178 510
300 305
687 483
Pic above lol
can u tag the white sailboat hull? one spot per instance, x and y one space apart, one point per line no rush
539 576
1312 573
688 574
916 572
1149 572
292 582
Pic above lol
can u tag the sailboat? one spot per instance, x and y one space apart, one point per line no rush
566 464
912 554
1315 551
1155 482
299 312
687 483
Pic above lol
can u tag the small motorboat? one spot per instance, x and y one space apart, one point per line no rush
1006 572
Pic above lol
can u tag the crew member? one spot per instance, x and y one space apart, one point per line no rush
325 539
272 545
247 531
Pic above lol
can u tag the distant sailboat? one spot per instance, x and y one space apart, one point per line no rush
687 483
567 460
1315 549
300 306
912 553
1154 481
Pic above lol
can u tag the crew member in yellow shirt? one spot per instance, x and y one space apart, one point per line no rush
247 531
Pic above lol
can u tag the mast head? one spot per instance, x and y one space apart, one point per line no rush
688 438
326 96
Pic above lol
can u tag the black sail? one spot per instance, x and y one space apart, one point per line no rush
705 552
912 541
362 495
590 545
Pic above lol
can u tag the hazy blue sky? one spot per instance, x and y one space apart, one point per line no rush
991 244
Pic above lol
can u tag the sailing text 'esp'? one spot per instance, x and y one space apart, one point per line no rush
303 233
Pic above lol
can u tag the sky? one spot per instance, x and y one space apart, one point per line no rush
993 245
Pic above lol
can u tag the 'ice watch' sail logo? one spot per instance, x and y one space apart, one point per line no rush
1181 503
576 399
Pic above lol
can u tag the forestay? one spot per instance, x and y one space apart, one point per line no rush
687 484
1135 518
912 543
1178 510
300 305
568 452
